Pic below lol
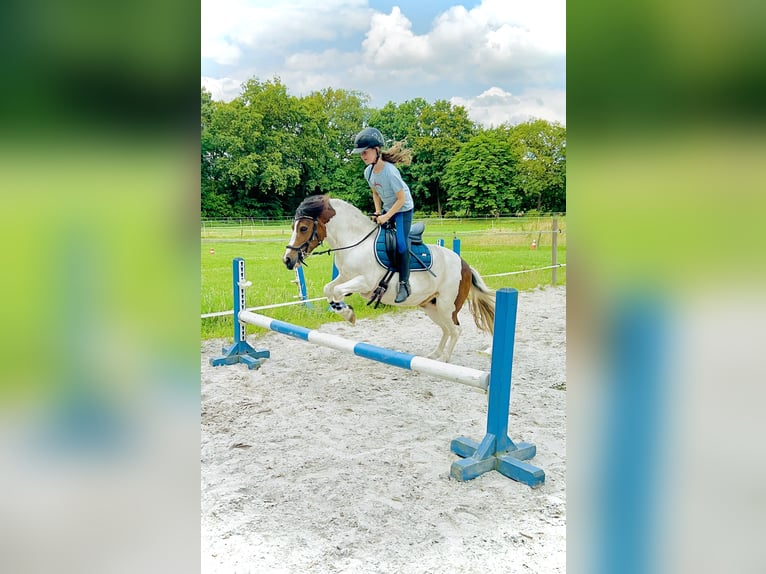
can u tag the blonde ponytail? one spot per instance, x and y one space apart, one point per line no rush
397 153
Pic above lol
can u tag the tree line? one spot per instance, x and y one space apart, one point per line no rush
265 151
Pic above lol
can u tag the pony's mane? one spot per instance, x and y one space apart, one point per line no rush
323 208
349 210
312 206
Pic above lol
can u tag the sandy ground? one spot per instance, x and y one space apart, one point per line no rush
323 462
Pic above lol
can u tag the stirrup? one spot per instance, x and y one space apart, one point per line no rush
403 293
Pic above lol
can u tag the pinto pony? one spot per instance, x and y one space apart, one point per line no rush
351 236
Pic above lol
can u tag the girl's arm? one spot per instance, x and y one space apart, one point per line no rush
376 201
400 199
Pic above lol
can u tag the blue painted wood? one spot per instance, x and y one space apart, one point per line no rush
519 470
640 342
466 447
463 446
470 468
240 351
290 329
302 290
524 451
497 451
456 245
502 367
383 355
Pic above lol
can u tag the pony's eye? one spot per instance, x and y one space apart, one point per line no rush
304 229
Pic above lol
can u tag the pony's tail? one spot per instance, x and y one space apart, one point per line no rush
481 303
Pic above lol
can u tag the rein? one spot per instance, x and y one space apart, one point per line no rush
301 249
347 246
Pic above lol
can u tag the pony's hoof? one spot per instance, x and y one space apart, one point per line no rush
348 314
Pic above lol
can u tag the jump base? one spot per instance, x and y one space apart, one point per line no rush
241 352
479 458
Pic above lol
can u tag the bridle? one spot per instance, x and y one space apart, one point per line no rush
302 248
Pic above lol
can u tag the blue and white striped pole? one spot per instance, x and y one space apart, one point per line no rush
465 375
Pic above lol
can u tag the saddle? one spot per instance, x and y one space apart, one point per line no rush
388 257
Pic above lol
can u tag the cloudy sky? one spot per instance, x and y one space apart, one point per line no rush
503 60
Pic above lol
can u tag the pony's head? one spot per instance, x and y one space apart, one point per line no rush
308 229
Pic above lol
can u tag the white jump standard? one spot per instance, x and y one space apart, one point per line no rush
240 351
496 451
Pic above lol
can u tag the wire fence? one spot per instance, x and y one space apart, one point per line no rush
272 221
243 229
304 301
533 232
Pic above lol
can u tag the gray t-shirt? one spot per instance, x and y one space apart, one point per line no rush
387 183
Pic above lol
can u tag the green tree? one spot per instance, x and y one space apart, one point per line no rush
340 113
214 201
263 150
479 178
435 132
443 130
540 150
275 159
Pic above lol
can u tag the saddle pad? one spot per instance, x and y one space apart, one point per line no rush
419 251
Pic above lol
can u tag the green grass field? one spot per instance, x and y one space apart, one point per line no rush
490 246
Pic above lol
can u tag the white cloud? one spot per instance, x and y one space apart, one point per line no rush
231 27
221 29
222 52
391 44
510 52
541 24
496 106
519 42
222 89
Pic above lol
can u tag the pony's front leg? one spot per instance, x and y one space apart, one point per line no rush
336 290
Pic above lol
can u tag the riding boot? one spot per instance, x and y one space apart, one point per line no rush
404 277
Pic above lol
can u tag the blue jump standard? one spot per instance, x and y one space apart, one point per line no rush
240 351
496 451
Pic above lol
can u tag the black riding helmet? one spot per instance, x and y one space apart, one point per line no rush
367 138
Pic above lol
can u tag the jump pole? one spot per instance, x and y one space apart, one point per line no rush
464 375
496 451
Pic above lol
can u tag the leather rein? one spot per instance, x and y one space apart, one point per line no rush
301 249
